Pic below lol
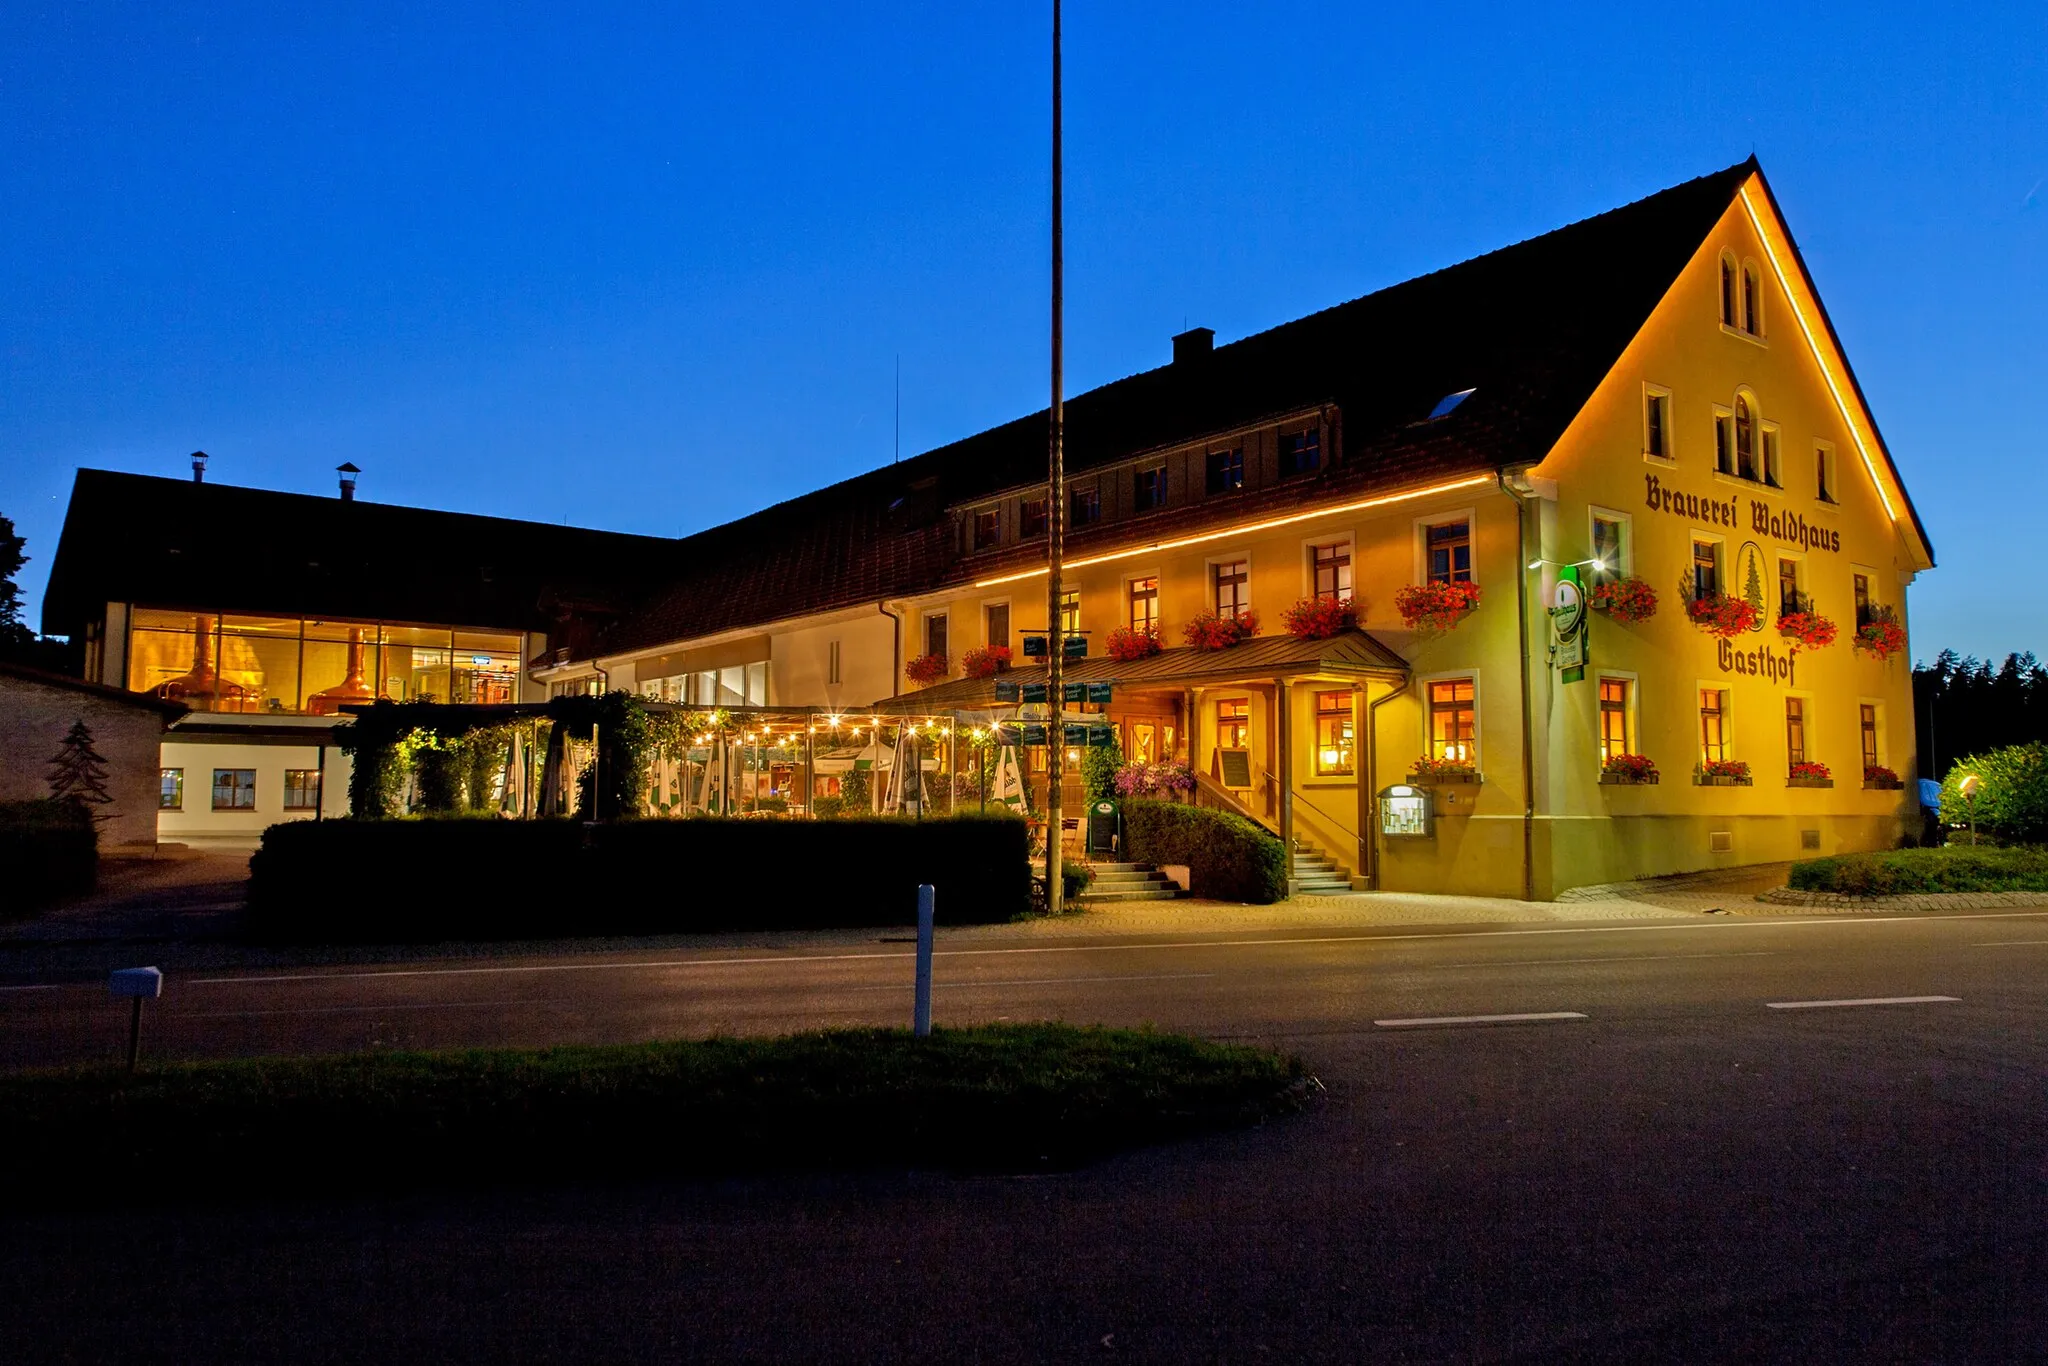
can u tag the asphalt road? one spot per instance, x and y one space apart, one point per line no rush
1687 1157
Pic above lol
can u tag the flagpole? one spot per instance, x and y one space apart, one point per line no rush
1056 525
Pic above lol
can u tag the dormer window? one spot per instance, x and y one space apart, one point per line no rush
1031 517
1084 507
1148 489
1301 452
1226 470
988 528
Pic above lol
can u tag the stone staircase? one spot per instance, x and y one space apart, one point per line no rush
1119 882
1315 873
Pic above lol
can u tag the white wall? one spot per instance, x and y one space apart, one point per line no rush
198 819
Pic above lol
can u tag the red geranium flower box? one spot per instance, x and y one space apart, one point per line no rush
1722 615
926 669
1208 631
1625 600
1881 635
1127 643
1435 606
985 661
1321 618
1810 629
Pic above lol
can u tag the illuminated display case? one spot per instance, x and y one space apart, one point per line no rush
1406 812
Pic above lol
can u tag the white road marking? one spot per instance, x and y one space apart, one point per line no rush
1605 958
46 986
1665 926
1482 1019
1866 1001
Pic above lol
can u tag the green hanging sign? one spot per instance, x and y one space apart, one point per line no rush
1568 625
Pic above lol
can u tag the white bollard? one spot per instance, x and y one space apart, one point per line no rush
921 1017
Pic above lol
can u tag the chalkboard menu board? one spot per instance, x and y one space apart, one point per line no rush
1237 767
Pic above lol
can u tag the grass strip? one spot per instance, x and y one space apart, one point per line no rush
1904 872
993 1097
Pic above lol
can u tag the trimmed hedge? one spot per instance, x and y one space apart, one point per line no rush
1904 872
48 850
393 881
1228 857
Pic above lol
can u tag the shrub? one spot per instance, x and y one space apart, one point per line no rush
827 807
48 850
1099 766
2011 802
633 877
1903 872
1228 857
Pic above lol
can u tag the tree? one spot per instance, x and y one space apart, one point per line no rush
78 773
16 639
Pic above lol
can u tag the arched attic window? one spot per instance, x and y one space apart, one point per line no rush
1745 438
1728 315
1752 300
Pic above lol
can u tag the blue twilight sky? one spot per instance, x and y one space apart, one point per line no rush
652 267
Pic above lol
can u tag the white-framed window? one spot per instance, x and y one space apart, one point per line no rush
170 792
1792 595
995 622
1752 299
1773 461
1716 736
1613 541
1863 593
1450 717
1657 424
1617 702
1730 293
1709 568
1070 612
1443 548
1142 595
935 633
1724 440
1826 487
1329 568
1798 728
1870 732
1230 586
1335 740
1747 455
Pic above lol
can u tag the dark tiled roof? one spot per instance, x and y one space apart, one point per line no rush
170 711
1352 653
174 543
1532 328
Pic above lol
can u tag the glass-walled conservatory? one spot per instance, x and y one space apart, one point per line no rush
220 662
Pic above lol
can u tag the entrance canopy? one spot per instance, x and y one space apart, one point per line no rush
1351 653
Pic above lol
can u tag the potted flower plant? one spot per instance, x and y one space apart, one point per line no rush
1809 773
1208 631
1435 606
1127 643
1320 618
985 661
1881 635
1723 614
1628 770
926 669
1429 770
1722 773
1879 778
1626 599
1807 628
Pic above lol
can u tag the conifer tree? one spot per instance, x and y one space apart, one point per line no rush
78 773
1752 590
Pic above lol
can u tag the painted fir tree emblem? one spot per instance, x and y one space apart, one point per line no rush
1752 556
77 772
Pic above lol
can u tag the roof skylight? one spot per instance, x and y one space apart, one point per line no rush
1449 403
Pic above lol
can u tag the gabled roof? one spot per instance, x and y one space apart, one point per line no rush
1530 329
177 544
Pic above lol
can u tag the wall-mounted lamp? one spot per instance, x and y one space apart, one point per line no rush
1599 565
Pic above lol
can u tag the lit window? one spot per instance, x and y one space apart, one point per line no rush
988 528
301 789
234 789
1713 725
1233 723
1144 742
1614 739
1031 517
1301 452
1657 425
1868 721
1333 733
1084 507
1226 470
1706 568
1070 612
1232 580
1451 720
1608 548
1331 567
170 794
1148 489
1145 603
1449 552
1795 730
